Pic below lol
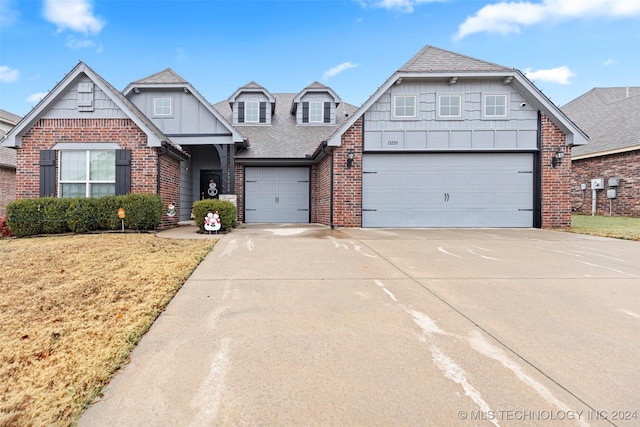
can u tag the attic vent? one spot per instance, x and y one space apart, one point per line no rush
85 96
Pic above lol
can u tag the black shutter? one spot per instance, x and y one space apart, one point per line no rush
123 172
263 112
240 112
47 173
305 112
327 112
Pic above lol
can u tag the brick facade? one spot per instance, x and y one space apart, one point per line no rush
46 133
347 182
625 166
556 182
321 191
7 188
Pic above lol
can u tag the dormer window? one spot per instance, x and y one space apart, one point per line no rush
251 112
316 110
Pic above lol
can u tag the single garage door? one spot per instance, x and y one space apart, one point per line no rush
447 190
276 194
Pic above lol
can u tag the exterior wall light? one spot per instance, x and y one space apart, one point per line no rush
557 158
350 156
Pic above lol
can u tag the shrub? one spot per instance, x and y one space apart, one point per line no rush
143 211
51 215
227 211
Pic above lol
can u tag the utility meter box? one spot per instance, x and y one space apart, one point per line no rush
611 193
597 184
614 182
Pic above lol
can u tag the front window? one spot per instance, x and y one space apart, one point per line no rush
251 112
90 173
404 106
162 106
316 110
450 105
495 105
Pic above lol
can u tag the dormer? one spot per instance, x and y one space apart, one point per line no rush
252 105
315 105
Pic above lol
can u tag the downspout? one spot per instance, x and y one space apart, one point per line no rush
165 145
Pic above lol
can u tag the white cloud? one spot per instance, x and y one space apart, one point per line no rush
8 75
401 5
337 70
8 14
75 43
36 97
76 15
609 61
560 75
510 17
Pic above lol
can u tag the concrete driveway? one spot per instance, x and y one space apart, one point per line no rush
303 325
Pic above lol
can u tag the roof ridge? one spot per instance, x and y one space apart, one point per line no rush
431 58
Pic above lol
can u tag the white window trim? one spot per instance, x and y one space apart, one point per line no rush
449 117
255 104
415 107
495 117
87 181
155 107
321 111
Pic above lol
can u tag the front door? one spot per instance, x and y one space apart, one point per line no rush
210 184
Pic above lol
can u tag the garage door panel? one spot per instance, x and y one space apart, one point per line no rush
448 190
277 194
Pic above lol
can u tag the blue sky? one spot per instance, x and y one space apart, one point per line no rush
566 47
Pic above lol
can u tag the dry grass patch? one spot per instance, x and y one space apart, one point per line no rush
71 310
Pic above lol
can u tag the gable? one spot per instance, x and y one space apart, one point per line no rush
81 98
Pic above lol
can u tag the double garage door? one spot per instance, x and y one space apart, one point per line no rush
448 190
277 194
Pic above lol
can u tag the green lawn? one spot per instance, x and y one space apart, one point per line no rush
607 226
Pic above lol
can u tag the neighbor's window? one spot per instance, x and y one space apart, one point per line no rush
316 112
495 105
162 106
450 105
88 173
404 106
251 111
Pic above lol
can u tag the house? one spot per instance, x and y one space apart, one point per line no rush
446 141
7 162
611 118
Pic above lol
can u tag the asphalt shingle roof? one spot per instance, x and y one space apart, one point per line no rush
431 58
8 117
284 139
610 116
166 76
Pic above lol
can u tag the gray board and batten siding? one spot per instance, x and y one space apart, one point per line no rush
472 131
84 99
190 122
277 194
432 171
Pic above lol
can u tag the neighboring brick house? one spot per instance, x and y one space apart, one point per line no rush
611 118
446 141
7 162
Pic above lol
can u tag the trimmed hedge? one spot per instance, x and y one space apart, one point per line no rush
51 215
227 210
